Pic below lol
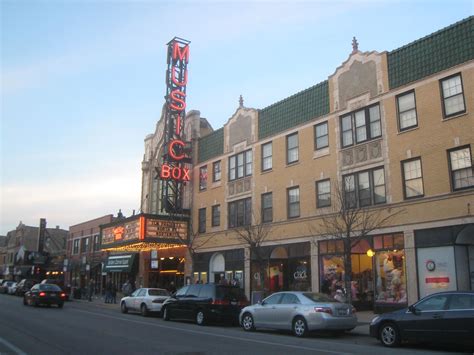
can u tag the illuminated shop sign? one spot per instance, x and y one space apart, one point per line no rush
144 229
176 151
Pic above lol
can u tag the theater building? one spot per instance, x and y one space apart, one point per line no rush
395 131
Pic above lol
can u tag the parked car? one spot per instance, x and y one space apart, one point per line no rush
441 317
4 286
300 312
144 300
12 288
44 294
204 303
24 286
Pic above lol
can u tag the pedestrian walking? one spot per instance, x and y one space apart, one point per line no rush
108 292
91 289
113 293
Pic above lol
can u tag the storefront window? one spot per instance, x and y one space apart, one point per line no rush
332 274
299 275
390 277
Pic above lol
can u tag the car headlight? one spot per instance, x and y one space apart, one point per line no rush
375 320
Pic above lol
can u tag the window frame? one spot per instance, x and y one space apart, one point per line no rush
451 171
443 99
202 180
294 148
244 165
201 222
367 125
215 173
288 204
264 158
404 180
246 215
215 216
356 190
76 246
400 129
316 147
318 204
263 208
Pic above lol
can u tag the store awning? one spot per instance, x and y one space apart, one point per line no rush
119 263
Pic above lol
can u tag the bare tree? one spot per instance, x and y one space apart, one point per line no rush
351 223
254 236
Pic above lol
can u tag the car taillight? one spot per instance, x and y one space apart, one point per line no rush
327 310
157 300
42 294
221 302
63 294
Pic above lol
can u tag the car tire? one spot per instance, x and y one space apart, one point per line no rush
300 327
123 307
389 335
166 313
200 317
247 322
144 310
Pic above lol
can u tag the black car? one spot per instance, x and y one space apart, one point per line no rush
446 317
47 294
205 302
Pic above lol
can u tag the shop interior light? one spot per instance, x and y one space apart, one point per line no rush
370 253
143 246
171 257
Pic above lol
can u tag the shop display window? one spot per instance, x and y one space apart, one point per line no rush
390 270
332 274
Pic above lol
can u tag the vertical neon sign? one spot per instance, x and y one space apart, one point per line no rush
173 171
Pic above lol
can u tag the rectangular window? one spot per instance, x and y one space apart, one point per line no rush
96 242
321 136
267 153
202 220
323 193
75 249
293 199
240 165
406 108
216 215
267 207
460 164
202 177
361 126
412 178
452 95
240 213
292 148
364 188
216 171
84 245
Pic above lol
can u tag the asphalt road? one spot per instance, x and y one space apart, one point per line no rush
91 328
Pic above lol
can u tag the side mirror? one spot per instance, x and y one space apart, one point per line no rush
413 310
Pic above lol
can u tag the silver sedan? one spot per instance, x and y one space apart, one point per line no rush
300 312
144 300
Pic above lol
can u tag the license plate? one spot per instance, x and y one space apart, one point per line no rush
342 312
233 303
52 294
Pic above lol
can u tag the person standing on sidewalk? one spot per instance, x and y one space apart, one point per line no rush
91 289
113 293
108 292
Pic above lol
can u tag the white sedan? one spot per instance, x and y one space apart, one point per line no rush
12 288
144 300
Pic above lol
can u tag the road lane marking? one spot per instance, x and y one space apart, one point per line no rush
218 335
12 347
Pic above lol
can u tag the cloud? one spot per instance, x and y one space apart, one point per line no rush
70 202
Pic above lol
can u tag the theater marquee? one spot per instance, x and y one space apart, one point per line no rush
144 232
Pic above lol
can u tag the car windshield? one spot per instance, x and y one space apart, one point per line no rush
229 292
156 292
49 287
318 297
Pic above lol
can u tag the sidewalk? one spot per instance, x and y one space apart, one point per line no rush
362 328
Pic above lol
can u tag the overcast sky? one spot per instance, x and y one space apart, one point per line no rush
82 82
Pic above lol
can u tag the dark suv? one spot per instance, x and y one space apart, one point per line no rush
205 302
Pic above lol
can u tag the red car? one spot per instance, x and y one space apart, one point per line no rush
47 294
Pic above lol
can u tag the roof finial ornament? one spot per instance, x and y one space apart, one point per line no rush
355 45
241 101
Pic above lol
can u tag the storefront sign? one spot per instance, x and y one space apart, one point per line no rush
436 270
